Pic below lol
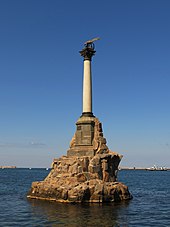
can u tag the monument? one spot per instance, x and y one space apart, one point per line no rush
88 173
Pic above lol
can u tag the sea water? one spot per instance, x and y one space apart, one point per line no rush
150 205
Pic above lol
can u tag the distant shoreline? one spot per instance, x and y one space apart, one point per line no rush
136 168
8 167
120 168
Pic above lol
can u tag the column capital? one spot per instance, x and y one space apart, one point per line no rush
87 52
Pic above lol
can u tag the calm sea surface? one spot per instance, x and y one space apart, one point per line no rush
149 207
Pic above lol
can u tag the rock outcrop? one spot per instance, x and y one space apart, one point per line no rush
82 179
87 174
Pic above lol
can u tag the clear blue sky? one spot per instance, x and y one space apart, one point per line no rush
41 78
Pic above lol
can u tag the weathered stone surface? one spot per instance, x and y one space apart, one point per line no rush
93 191
82 179
88 139
87 174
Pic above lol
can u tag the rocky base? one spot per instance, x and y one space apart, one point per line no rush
87 174
82 179
93 191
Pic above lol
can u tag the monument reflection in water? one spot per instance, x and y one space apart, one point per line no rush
88 173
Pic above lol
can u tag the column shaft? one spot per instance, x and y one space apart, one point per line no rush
87 87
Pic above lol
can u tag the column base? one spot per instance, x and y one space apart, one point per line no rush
87 114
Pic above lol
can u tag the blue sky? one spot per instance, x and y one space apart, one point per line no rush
41 78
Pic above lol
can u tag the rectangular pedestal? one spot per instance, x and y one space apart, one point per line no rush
81 151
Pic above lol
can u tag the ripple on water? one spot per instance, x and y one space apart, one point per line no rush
149 207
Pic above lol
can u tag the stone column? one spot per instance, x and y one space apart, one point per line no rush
87 53
87 88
